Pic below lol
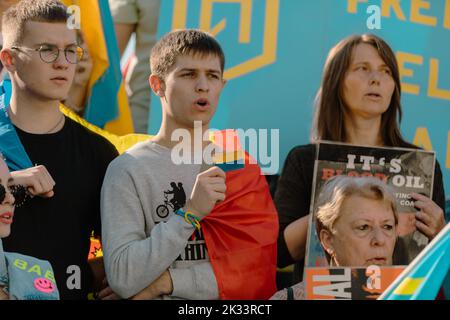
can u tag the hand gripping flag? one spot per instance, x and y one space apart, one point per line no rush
423 278
241 236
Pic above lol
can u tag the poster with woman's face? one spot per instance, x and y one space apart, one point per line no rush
364 232
362 214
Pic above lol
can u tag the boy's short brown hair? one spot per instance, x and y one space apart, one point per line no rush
14 19
183 42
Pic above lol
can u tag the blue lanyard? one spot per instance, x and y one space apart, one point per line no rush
10 145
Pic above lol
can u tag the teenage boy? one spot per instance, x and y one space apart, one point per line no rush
61 162
158 217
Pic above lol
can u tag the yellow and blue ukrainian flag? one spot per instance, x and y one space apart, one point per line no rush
107 106
426 274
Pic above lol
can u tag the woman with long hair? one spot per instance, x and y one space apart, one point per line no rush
358 103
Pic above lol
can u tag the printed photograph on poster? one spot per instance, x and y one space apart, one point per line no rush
362 229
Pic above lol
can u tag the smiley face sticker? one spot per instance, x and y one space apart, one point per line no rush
44 285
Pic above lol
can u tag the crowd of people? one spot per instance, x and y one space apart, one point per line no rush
61 182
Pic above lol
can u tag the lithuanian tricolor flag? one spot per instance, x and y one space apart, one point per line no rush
241 232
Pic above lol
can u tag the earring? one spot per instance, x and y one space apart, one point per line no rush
333 261
333 255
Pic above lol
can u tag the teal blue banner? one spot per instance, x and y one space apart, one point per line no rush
276 50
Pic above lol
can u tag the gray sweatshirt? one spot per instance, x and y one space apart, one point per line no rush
141 235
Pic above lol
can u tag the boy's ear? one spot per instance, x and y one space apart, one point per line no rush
7 59
157 84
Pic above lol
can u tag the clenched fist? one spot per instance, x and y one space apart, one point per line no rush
209 188
37 180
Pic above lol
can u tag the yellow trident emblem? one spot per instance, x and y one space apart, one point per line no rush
269 51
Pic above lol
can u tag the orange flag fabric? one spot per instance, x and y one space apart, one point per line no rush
241 236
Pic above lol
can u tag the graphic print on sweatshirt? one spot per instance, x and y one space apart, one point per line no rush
174 199
177 201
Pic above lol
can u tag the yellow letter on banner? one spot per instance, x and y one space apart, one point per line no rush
447 163
245 19
447 14
179 14
269 50
269 54
433 90
416 5
352 5
180 10
386 6
402 58
422 139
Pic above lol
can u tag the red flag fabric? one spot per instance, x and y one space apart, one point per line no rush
241 236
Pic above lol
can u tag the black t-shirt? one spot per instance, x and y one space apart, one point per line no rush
293 197
58 229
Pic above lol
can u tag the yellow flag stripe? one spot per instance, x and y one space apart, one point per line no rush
408 286
122 143
228 156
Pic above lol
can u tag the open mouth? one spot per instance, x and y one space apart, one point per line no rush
202 104
7 218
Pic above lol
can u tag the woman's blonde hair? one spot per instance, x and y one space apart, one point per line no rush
339 188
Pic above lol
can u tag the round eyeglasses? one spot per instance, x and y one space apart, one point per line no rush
50 53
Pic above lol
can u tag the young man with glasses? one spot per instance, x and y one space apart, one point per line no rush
61 162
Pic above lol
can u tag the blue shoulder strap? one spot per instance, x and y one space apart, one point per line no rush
10 145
